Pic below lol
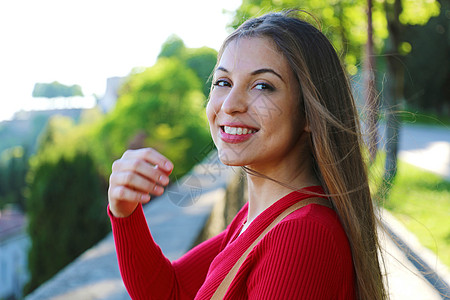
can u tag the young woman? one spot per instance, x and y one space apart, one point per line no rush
280 107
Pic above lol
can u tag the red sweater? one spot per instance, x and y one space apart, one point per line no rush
306 256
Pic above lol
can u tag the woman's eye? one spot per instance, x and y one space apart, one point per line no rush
264 86
221 83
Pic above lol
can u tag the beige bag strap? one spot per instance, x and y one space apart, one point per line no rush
223 287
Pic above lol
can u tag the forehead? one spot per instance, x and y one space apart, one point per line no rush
248 54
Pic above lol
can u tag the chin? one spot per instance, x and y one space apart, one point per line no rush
230 158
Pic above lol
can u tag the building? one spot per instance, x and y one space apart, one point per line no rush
109 99
14 246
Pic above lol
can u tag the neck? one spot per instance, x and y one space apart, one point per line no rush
264 192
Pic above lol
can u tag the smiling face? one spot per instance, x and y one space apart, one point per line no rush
253 108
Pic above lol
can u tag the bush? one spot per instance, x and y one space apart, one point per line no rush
164 106
66 213
160 107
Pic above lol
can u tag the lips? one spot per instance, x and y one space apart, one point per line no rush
236 134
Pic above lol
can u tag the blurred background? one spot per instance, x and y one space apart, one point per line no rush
82 81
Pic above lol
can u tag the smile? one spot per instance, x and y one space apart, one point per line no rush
235 135
237 130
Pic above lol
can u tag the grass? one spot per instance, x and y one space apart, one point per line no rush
411 117
421 201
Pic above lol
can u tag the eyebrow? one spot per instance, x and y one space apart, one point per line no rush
256 72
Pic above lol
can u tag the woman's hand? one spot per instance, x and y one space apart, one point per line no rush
136 176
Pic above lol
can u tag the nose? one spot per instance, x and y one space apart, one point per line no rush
235 102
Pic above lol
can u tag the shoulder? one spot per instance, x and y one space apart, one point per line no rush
313 216
313 227
310 234
310 250
311 237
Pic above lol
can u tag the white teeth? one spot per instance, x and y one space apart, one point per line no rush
237 130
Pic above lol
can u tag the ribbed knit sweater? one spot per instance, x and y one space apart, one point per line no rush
306 256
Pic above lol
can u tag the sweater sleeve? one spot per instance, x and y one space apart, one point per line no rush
300 260
147 273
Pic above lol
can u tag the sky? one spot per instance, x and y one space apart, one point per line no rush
85 42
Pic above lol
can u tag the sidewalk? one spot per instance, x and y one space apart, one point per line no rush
425 146
404 279
435 157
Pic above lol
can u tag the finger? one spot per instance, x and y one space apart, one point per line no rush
142 168
136 182
152 156
122 193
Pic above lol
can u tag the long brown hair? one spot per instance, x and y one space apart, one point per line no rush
327 103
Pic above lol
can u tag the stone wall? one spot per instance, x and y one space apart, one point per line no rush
226 208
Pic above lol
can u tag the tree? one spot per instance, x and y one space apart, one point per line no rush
172 47
56 89
200 60
161 107
394 88
346 18
427 80
343 23
164 103
13 168
398 16
66 213
371 98
65 200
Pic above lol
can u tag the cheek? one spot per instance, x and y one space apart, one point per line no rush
213 107
210 113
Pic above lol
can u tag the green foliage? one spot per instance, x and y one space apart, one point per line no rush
13 168
421 201
344 22
66 213
414 117
200 60
427 80
418 12
172 47
65 199
56 89
160 107
57 129
164 103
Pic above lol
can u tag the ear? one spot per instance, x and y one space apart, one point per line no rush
307 128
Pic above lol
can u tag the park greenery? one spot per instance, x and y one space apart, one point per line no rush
13 169
161 106
420 201
56 89
344 22
410 198
401 43
59 174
